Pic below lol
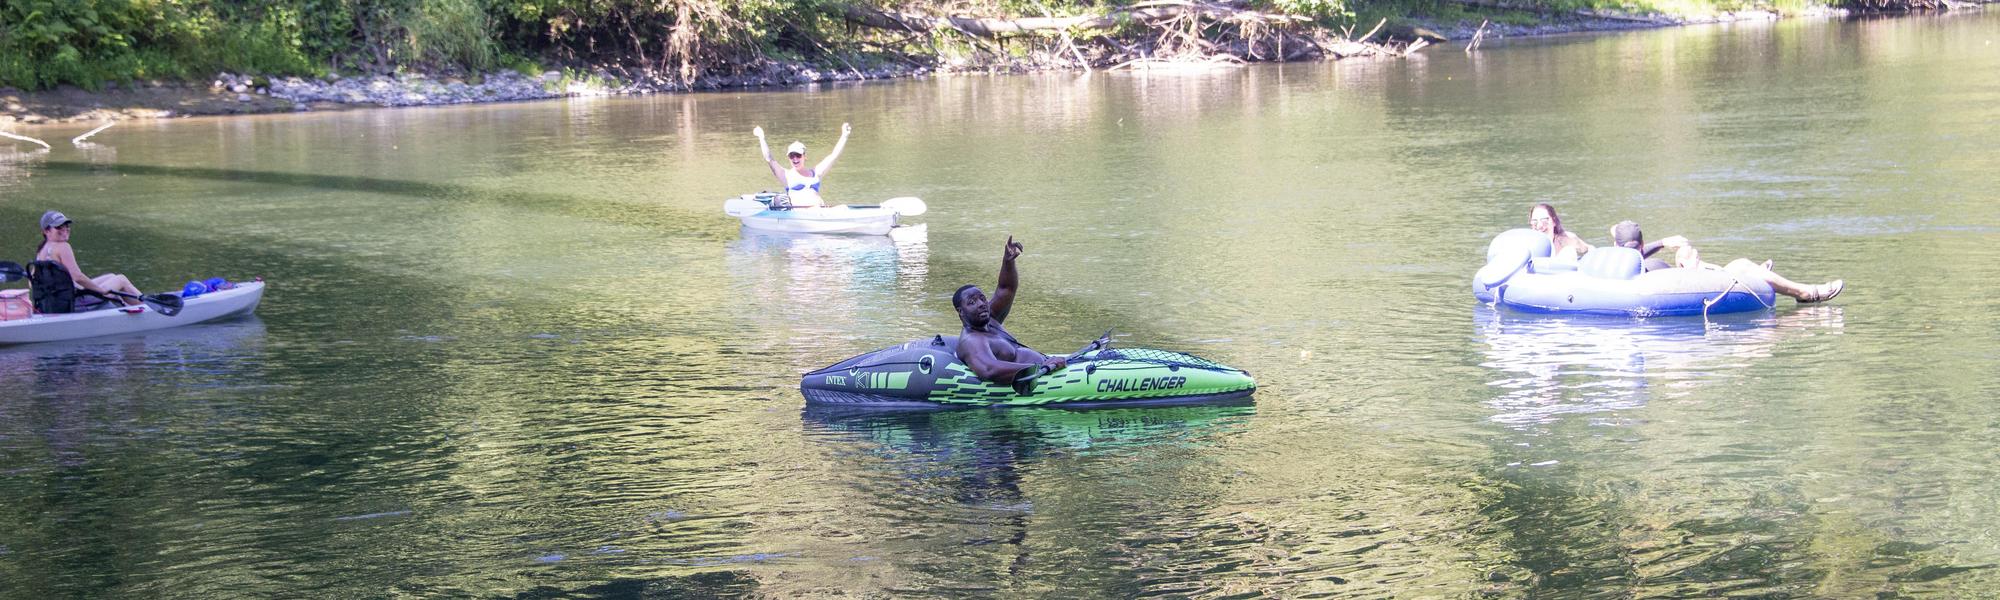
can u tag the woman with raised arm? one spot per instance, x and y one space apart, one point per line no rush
800 183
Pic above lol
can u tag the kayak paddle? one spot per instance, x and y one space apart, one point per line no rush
1026 385
907 206
742 206
165 304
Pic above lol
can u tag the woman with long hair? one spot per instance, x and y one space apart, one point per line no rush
1543 219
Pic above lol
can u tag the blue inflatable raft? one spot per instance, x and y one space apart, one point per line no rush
1520 274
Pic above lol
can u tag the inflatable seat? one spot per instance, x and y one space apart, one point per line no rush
1550 264
1615 262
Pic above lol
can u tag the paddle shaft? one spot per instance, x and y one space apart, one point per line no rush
167 305
1027 384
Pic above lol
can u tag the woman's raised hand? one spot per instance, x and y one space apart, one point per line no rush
846 129
757 131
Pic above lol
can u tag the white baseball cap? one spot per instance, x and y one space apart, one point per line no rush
796 148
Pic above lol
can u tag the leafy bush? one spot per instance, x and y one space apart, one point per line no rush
45 43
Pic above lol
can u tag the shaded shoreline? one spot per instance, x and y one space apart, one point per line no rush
230 94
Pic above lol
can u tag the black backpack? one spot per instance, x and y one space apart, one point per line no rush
51 288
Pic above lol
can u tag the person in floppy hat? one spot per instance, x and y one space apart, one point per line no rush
55 248
800 183
1627 234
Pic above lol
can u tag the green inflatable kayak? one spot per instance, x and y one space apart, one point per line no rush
927 373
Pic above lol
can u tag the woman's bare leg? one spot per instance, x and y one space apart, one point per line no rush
118 283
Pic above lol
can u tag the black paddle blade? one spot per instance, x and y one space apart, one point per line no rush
11 271
165 304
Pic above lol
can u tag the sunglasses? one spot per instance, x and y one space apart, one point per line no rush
796 155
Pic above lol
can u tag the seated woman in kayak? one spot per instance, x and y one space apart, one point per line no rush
986 348
800 183
55 248
1627 234
1567 245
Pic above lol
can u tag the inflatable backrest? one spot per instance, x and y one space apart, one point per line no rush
1613 262
1550 264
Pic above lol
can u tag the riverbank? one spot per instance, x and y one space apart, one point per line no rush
231 94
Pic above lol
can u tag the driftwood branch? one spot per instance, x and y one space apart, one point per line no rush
1371 32
45 145
79 139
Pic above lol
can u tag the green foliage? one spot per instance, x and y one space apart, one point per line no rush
1319 10
389 34
44 43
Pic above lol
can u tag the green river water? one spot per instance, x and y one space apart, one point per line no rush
518 351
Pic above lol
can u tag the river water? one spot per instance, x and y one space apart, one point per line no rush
517 350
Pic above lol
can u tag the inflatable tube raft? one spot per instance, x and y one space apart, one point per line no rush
926 373
1519 274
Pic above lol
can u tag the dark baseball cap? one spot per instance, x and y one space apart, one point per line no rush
53 219
1627 234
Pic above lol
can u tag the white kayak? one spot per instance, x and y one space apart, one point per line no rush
877 219
238 301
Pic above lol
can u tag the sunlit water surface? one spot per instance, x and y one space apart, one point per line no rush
517 350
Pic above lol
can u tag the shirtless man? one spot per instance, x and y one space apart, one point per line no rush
1628 234
986 348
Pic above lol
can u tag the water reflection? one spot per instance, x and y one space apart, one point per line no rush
985 437
1559 365
16 166
983 486
68 395
842 272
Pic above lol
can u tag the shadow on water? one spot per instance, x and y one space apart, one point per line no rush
635 214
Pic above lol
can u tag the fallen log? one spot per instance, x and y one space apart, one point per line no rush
1533 8
1404 31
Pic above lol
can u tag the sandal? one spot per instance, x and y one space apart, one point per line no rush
1825 291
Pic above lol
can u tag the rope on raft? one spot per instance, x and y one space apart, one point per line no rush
1733 282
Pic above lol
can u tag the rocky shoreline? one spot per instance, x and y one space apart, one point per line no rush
231 94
